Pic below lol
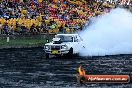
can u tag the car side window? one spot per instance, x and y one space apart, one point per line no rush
71 39
75 39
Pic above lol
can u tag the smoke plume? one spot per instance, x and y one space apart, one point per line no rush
109 34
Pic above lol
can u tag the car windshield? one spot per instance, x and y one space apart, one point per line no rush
64 38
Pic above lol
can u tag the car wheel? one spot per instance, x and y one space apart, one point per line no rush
70 52
47 55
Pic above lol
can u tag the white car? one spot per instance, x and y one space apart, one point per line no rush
63 44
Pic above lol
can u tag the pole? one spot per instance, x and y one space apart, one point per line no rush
8 38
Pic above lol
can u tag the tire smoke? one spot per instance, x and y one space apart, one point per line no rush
109 34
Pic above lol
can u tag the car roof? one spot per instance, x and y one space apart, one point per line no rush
68 34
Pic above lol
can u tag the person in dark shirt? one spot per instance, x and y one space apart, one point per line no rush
5 28
23 28
32 28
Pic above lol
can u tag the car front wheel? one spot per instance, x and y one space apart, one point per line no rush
70 52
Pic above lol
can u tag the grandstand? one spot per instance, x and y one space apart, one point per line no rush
48 16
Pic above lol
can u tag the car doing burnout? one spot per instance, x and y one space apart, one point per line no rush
63 44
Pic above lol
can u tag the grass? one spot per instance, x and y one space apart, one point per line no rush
23 41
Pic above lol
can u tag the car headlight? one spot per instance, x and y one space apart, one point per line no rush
47 47
64 47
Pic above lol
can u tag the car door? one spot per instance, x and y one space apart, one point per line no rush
76 44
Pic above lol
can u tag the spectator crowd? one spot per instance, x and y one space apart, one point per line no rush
48 16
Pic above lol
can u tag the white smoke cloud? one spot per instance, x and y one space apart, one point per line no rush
110 34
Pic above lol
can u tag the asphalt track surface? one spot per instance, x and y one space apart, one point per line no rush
28 68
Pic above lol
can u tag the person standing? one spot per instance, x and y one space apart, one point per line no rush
5 28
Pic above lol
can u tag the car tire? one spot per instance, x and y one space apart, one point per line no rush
47 55
70 52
